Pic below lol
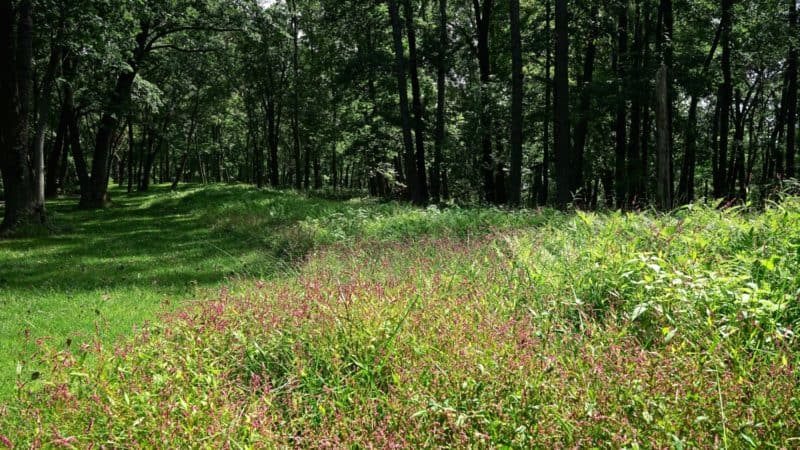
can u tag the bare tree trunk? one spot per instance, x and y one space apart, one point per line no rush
725 98
516 106
15 86
298 180
43 120
441 76
419 112
621 137
97 196
564 158
53 178
131 154
402 87
791 93
664 137
584 109
544 193
483 17
189 138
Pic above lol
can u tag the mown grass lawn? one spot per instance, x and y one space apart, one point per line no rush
303 322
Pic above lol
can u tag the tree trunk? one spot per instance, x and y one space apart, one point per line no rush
620 179
15 86
131 155
725 98
298 180
544 193
584 109
634 174
516 106
563 155
664 137
43 120
154 148
419 112
272 141
189 138
441 76
791 93
483 16
120 97
402 88
54 179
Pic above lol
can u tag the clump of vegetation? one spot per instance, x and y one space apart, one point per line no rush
608 330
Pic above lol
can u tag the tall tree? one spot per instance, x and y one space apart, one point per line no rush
416 96
483 21
441 78
620 179
725 98
298 171
16 52
791 92
664 181
516 105
581 131
544 192
402 89
563 154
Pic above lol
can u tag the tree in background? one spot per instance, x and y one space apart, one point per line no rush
347 95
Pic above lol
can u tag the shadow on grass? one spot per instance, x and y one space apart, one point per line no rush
155 239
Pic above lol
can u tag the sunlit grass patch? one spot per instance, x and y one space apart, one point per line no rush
604 330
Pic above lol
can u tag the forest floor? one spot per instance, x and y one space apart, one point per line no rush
278 319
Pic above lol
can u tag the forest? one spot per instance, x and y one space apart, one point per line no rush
399 224
614 104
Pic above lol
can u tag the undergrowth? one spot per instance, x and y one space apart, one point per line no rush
428 329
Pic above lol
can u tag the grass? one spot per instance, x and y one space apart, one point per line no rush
356 324
106 272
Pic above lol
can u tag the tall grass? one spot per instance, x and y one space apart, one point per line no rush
405 328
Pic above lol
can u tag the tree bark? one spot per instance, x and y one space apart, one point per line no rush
584 109
441 98
725 98
791 93
402 88
620 179
544 192
563 154
419 112
664 137
43 120
53 177
15 87
131 154
483 17
516 106
298 180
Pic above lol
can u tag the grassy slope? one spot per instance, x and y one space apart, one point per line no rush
113 269
424 328
114 266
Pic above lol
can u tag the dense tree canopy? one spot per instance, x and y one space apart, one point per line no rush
619 104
